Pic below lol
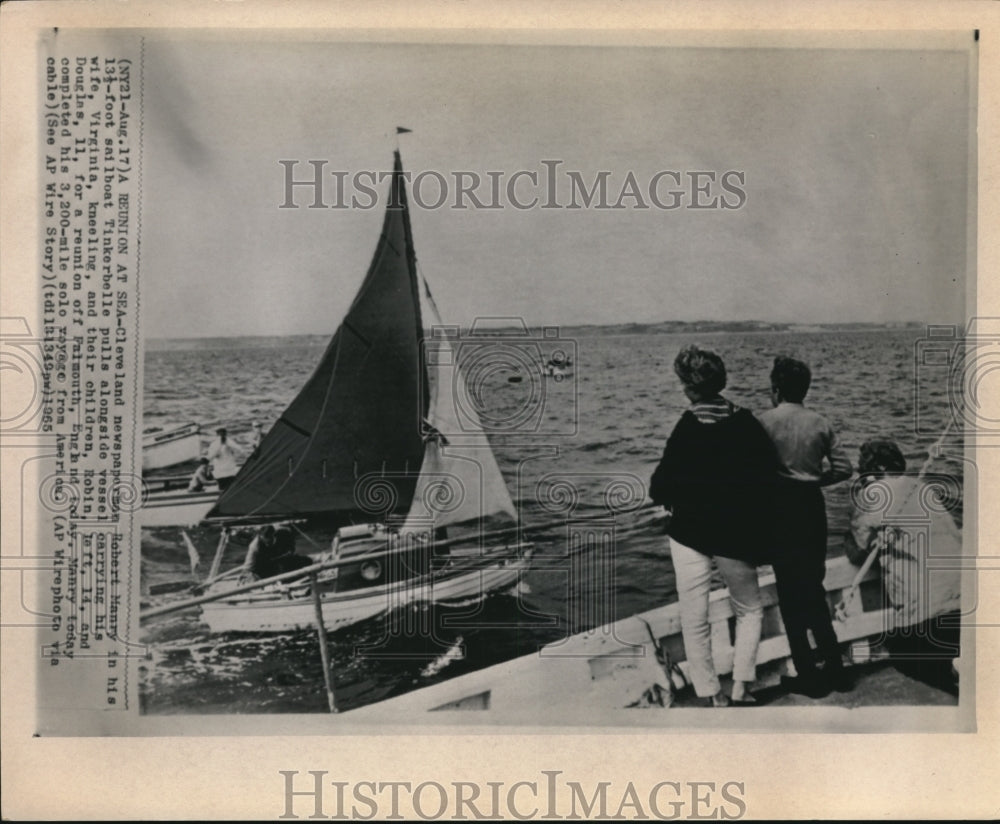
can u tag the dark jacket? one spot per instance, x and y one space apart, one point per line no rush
719 481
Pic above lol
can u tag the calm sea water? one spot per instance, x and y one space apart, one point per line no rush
600 431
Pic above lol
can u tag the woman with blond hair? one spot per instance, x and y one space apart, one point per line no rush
716 478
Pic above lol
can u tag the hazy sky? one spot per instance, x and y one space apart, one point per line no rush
855 164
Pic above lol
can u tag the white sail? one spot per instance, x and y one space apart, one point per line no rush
459 481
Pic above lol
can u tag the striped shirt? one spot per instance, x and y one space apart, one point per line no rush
713 410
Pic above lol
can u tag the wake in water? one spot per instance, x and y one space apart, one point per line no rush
456 652
467 602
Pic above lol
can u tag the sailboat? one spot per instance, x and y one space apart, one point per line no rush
374 446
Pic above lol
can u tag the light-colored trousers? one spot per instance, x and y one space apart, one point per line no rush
694 576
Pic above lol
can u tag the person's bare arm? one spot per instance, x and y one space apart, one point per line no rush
840 465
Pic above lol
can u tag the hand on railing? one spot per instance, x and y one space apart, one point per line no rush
662 514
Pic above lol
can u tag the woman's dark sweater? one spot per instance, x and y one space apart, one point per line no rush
718 479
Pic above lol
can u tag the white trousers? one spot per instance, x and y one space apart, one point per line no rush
694 577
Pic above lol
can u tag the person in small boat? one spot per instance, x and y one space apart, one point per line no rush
715 479
202 476
919 547
272 552
256 435
810 459
222 455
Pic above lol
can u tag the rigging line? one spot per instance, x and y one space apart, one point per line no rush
430 298
295 427
298 529
935 450
390 244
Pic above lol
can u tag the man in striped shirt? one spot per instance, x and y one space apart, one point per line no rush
810 459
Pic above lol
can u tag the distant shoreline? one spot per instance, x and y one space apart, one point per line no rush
711 326
669 327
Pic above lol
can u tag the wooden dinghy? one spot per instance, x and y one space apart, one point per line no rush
169 504
169 447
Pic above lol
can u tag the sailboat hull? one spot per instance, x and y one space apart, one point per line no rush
171 447
292 607
176 507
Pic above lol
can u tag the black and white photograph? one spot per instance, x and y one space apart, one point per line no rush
506 383
407 388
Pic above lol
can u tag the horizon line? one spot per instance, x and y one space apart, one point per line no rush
588 325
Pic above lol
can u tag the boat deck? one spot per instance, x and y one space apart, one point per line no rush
612 667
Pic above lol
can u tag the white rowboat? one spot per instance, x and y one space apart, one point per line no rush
175 507
171 446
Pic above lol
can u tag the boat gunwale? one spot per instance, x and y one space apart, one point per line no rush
495 690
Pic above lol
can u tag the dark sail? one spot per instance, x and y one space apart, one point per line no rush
360 411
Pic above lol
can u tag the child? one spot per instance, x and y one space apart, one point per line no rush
919 549
804 439
223 459
202 476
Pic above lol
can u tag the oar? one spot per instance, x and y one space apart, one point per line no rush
193 555
845 602
669 666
